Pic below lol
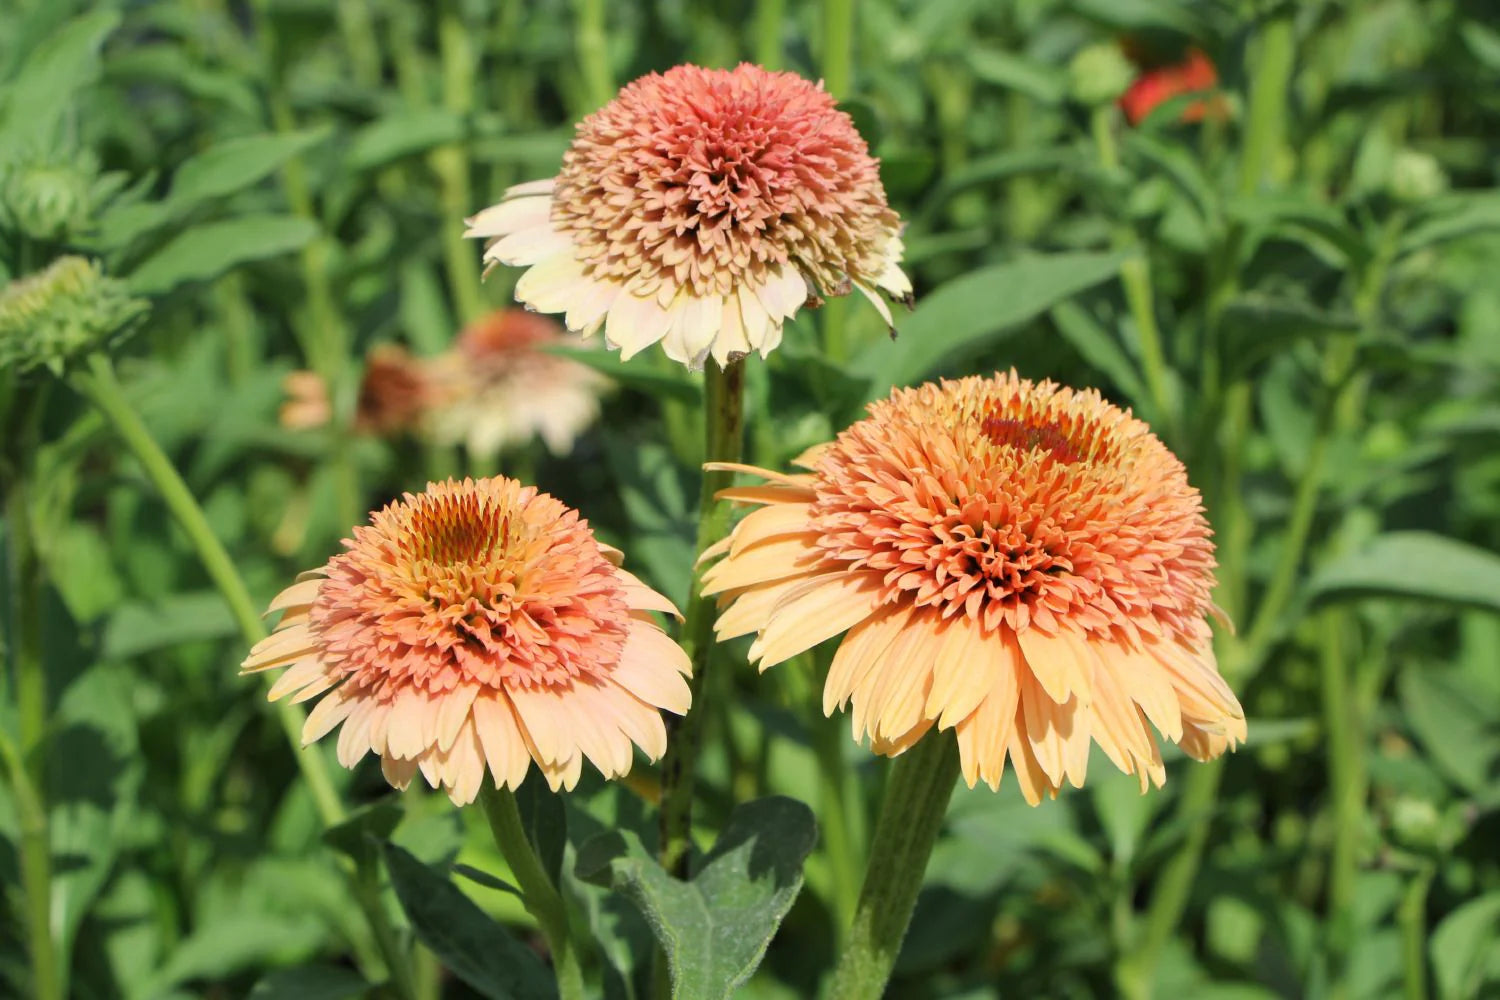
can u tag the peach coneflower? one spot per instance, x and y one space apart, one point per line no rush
500 387
1020 562
393 394
701 208
478 625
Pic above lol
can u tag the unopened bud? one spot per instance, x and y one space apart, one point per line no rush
1099 74
55 316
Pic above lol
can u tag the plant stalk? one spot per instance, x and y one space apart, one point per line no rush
592 44
724 390
918 787
1411 916
539 895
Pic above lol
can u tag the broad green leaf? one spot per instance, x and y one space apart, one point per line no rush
1183 170
716 926
311 982
1460 942
235 164
545 821
969 310
1297 213
1046 84
1414 564
234 942
34 101
1459 737
472 946
402 133
998 166
139 627
209 250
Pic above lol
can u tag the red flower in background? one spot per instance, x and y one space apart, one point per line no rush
1195 73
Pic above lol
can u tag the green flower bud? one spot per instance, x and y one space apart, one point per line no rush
1099 74
1415 823
1415 177
48 198
55 316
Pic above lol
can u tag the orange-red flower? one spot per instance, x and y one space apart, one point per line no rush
1020 562
1194 74
478 626
701 208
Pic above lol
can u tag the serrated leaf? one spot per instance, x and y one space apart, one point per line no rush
1414 564
969 310
209 250
1460 941
474 948
716 926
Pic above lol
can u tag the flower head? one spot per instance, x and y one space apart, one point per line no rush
54 317
394 395
1195 73
478 625
1021 562
500 387
701 208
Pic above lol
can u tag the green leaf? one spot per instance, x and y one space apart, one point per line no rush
1459 737
59 68
1259 326
1044 83
209 250
472 946
969 310
675 384
310 982
1414 564
358 836
402 133
545 821
1460 942
1096 346
235 164
1453 216
716 926
1183 170
140 626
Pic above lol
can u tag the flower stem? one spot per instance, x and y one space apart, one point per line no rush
593 54
838 46
1411 916
841 840
451 166
539 895
24 761
768 18
918 788
724 391
1346 783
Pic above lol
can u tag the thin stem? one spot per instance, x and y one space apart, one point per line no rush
1265 136
593 54
24 762
538 894
838 46
1135 277
918 788
97 382
838 833
1341 721
724 390
768 17
1411 916
452 168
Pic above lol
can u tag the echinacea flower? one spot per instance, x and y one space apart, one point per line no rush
478 626
702 208
1020 562
394 393
499 387
1195 73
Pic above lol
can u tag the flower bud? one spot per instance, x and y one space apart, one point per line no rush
1415 177
1099 74
55 316
47 198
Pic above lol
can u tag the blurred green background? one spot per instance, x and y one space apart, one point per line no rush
1291 273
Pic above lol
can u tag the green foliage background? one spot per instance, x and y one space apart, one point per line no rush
285 180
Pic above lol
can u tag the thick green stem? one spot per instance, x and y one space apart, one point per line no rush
1264 137
840 836
1346 783
592 46
24 762
838 46
918 788
539 895
768 17
724 431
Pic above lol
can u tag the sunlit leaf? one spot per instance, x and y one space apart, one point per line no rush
1414 564
208 250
